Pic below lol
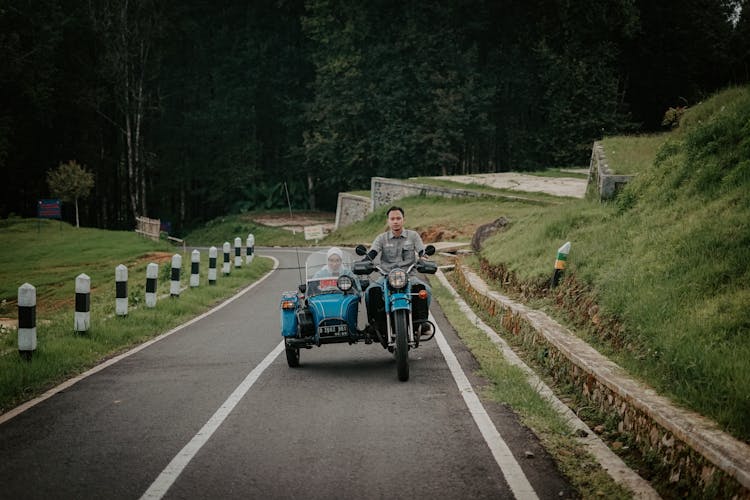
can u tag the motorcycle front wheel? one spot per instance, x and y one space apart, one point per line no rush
400 328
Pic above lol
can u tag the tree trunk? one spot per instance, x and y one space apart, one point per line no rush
76 204
311 191
128 29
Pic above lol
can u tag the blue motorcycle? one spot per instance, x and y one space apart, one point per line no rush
325 309
401 333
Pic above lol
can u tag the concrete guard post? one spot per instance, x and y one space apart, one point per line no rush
237 252
152 275
195 262
560 262
121 290
212 265
249 248
82 315
174 283
26 320
225 267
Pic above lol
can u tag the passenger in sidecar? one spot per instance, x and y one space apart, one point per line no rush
326 307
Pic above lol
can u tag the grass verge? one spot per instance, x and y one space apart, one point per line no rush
509 386
61 353
215 232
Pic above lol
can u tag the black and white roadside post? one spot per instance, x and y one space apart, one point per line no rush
82 319
249 248
121 290
26 320
560 261
212 265
237 252
225 268
195 263
152 275
174 283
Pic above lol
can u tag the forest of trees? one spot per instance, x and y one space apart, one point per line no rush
186 110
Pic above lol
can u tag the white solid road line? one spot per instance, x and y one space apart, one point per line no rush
512 471
170 474
610 462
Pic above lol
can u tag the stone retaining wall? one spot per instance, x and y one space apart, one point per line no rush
695 458
351 208
385 191
600 177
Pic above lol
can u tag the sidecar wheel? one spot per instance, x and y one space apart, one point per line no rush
401 325
292 356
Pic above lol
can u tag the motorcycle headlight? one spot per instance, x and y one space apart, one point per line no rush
344 283
397 278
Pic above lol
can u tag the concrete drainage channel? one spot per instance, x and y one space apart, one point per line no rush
694 453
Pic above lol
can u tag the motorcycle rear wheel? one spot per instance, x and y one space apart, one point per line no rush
401 327
292 356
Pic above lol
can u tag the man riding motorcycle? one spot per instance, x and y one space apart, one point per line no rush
397 247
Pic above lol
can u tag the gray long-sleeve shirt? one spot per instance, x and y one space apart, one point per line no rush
398 251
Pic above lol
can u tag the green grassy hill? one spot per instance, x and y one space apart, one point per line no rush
667 264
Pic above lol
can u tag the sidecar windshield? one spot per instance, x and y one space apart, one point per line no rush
321 275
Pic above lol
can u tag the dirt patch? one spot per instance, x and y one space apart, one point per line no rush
436 234
8 323
156 257
556 186
297 222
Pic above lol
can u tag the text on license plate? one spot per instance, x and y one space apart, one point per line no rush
333 330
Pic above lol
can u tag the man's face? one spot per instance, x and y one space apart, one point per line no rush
396 221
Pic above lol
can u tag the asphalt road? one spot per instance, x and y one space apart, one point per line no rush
340 426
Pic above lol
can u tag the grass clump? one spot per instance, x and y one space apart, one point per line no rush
629 155
216 231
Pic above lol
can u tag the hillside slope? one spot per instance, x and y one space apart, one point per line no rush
667 265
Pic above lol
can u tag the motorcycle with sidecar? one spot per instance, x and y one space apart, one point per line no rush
325 309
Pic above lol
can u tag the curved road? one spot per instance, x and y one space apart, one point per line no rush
213 411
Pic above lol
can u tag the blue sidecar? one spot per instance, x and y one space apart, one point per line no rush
325 308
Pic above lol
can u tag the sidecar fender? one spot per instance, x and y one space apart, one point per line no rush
289 304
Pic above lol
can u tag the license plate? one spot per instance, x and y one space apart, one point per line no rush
330 330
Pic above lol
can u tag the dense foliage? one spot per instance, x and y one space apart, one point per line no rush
186 110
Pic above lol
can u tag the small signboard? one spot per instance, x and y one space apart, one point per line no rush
49 209
314 232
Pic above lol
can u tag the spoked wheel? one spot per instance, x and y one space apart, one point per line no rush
401 327
292 356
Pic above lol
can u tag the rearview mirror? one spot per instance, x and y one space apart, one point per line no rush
429 250
361 250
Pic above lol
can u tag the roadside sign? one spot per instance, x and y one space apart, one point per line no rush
49 209
314 232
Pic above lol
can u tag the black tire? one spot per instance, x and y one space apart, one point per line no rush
292 356
400 329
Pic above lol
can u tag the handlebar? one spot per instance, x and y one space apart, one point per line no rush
367 267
